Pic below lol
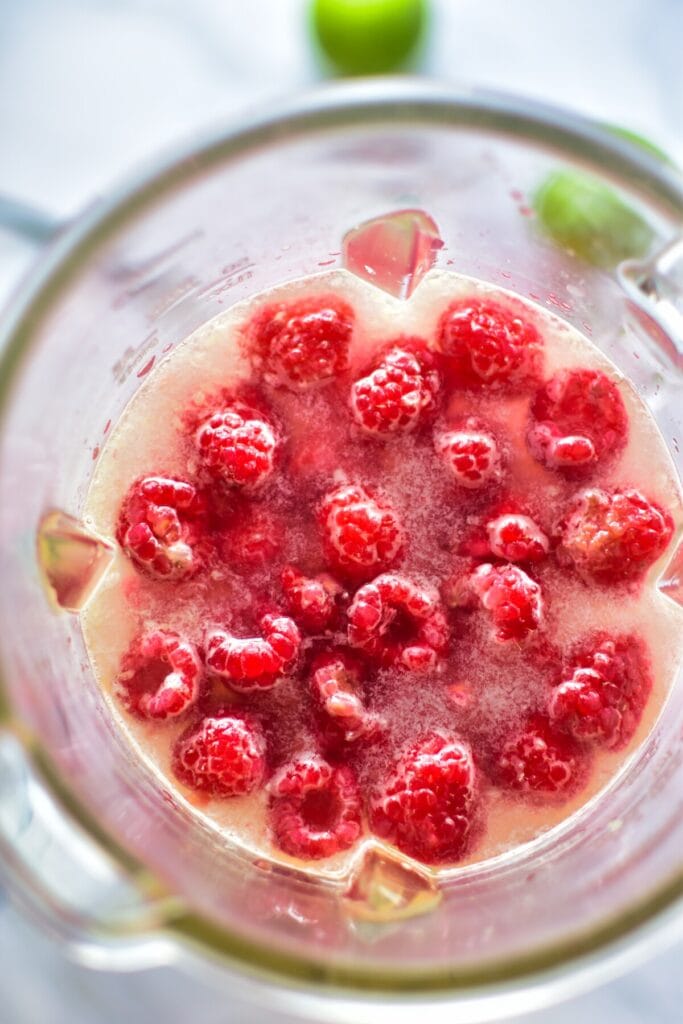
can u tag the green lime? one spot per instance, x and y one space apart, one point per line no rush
365 37
583 215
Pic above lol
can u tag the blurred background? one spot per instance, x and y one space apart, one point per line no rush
92 89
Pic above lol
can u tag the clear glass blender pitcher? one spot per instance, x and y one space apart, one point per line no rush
92 844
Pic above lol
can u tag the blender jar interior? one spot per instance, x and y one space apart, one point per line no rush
205 235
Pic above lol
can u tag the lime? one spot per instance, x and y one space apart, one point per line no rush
583 215
365 37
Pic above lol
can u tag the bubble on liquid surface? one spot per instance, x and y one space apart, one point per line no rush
386 888
393 252
72 559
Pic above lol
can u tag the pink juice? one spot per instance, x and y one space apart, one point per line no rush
385 572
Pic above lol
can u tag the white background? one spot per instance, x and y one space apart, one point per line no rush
91 88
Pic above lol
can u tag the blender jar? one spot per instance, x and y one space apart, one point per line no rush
92 842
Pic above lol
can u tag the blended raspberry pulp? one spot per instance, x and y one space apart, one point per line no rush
386 571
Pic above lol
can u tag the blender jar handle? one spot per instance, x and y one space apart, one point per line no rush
60 877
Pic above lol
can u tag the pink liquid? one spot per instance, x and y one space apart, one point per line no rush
481 692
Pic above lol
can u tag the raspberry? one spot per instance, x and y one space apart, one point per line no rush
335 681
223 754
571 453
315 809
513 599
162 527
517 538
613 536
426 805
486 343
540 759
578 419
398 623
471 454
304 344
252 539
310 600
159 677
399 393
237 446
254 663
362 535
603 698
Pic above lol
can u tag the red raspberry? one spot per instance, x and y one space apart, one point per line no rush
604 696
426 805
571 453
159 677
540 759
304 344
315 809
578 419
362 535
237 446
162 526
310 600
335 682
517 538
513 599
254 663
399 393
252 539
471 454
398 623
487 343
612 536
223 754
